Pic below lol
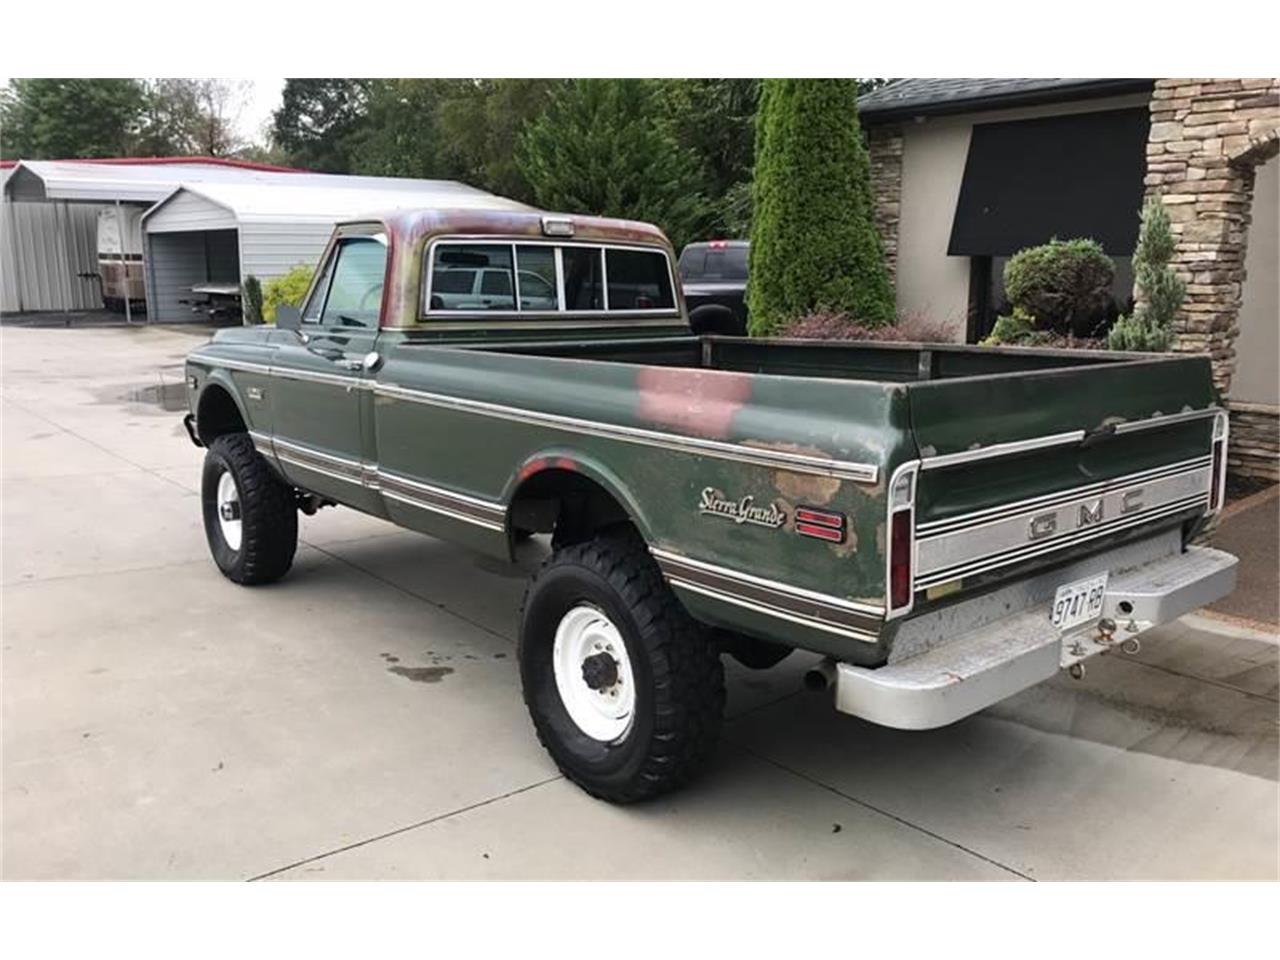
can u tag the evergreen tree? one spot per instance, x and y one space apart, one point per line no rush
1160 289
601 148
814 244
51 119
317 119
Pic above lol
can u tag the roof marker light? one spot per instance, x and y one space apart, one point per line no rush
557 226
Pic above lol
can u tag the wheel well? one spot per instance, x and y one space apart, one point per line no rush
716 318
570 505
217 414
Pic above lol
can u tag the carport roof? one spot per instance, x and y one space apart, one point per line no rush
152 180
303 199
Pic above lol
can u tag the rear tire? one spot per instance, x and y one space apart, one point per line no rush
250 516
619 743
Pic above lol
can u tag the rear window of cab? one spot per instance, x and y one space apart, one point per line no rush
541 279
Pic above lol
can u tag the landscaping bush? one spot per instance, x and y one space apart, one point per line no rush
252 299
288 289
1150 327
829 325
814 245
1065 285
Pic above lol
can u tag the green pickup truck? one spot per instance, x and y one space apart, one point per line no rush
945 525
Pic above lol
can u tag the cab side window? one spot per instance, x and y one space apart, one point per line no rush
354 297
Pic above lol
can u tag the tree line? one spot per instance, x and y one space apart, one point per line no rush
63 119
674 152
677 152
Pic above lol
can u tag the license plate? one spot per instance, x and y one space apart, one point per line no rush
1079 602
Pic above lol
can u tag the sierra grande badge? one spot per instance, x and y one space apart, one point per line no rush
714 503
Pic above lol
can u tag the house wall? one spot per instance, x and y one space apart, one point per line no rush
1257 376
934 151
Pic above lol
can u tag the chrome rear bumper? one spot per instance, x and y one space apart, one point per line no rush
977 667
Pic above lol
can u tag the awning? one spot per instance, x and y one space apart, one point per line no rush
1028 181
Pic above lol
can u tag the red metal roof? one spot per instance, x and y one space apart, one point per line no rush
177 161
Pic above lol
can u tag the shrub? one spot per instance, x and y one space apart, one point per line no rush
1018 328
828 325
1150 327
287 289
814 246
252 300
1065 285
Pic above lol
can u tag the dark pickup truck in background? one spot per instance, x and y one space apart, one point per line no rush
713 276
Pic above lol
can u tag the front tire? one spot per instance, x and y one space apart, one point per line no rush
250 516
625 689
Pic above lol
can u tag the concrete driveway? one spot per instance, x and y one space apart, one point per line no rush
362 719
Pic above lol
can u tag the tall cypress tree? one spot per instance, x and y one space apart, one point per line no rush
814 244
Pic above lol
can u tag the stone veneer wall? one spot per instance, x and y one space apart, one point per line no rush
884 144
1253 449
1207 137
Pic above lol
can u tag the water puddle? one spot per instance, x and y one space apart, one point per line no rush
421 674
170 397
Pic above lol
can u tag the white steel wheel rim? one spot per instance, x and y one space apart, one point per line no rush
229 510
604 713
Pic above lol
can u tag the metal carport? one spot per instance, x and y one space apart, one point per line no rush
228 232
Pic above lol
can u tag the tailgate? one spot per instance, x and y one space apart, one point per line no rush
1018 471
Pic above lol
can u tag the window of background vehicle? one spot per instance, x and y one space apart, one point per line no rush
452 261
536 271
638 280
582 289
355 293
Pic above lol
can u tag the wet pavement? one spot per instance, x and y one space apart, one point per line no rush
362 718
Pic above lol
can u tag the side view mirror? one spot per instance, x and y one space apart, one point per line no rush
288 318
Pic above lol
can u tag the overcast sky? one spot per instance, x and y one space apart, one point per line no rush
263 97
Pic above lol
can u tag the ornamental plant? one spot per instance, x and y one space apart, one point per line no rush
288 289
252 300
814 245
1065 285
1161 290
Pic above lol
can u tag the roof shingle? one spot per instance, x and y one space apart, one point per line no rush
920 96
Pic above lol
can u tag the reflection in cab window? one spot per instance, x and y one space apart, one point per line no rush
582 288
638 280
354 297
536 273
472 277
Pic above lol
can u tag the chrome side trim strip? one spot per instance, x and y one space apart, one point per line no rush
667 556
978 517
1001 450
484 513
796 462
775 459
443 511
1152 423
818 611
772 611
246 365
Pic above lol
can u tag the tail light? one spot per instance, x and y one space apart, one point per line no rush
900 530
1218 475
